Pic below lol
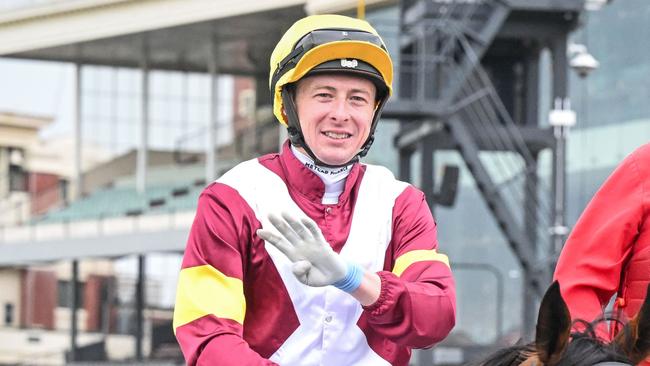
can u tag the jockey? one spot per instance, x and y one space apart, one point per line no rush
309 257
608 251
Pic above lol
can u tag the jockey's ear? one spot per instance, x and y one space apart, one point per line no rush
553 326
639 332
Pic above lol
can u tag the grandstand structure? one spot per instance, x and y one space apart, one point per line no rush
142 201
135 204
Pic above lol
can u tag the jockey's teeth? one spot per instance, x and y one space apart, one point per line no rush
337 135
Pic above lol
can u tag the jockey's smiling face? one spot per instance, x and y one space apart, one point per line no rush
335 113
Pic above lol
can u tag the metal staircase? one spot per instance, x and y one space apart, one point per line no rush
506 176
443 85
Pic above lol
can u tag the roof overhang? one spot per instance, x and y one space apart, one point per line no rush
166 34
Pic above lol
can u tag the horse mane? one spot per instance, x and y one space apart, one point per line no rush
584 349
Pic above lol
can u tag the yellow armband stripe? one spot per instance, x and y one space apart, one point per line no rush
204 290
413 256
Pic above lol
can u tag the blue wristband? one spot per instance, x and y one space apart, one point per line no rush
352 279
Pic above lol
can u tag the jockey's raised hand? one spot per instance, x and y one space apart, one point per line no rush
314 261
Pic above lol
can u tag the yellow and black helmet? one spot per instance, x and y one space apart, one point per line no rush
327 44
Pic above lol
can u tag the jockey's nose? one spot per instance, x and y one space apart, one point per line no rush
339 111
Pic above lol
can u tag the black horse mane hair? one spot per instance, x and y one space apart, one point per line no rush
584 349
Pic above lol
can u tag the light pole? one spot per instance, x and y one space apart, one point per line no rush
562 118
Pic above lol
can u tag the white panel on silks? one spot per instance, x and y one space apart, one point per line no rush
328 333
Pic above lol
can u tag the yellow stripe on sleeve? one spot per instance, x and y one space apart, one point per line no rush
204 290
413 256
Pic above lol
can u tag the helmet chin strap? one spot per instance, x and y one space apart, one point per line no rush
298 140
